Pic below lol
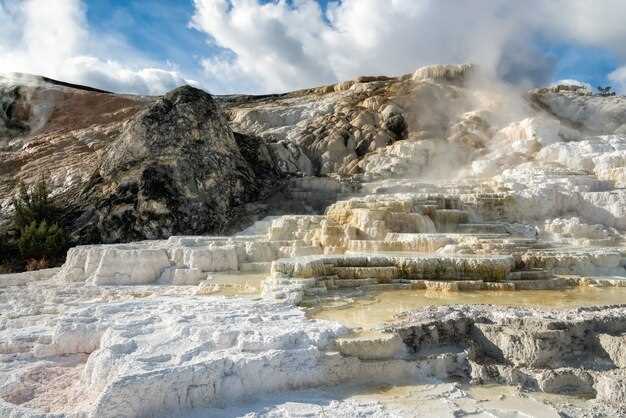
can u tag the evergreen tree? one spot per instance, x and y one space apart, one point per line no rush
36 221
34 205
605 91
41 240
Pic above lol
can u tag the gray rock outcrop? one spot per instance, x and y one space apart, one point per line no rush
128 167
176 168
577 351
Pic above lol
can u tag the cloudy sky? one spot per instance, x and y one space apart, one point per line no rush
261 46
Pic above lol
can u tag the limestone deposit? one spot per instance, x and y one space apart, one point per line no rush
432 182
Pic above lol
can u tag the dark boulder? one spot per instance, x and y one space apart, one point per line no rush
175 169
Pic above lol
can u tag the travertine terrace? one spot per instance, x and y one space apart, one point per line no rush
426 181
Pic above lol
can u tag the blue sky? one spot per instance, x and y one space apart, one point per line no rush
259 46
586 64
160 29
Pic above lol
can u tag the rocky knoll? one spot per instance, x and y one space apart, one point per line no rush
176 167
128 168
549 153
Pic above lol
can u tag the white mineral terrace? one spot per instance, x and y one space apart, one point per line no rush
304 318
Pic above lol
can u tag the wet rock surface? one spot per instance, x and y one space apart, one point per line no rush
567 351
70 349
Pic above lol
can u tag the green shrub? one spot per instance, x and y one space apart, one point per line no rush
34 205
37 238
41 240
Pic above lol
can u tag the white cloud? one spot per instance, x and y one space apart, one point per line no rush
278 42
593 23
113 76
619 78
221 74
284 45
52 38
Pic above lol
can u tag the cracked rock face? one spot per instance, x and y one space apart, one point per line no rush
175 167
574 351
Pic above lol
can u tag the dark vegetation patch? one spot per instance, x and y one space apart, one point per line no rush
34 237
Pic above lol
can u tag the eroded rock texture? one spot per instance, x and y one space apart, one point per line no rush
176 167
577 351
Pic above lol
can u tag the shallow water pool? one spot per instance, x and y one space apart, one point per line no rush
370 310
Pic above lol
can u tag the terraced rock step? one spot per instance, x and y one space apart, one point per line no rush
383 346
435 267
481 228
595 261
380 274
177 261
396 242
536 274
